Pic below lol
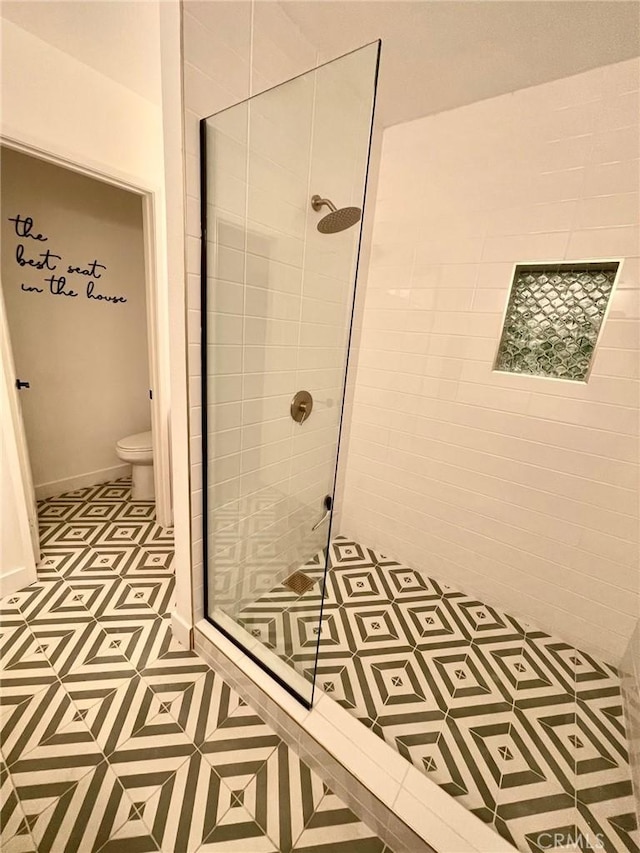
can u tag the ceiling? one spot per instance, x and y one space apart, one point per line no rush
436 54
88 31
441 54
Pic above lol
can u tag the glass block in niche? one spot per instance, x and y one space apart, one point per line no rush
553 318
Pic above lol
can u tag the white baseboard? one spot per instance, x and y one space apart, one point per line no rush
182 631
81 481
16 579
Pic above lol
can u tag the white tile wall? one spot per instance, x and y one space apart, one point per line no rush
231 50
519 489
278 314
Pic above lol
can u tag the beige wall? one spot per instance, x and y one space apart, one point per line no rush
520 490
86 360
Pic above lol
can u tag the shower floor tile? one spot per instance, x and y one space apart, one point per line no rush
112 736
522 728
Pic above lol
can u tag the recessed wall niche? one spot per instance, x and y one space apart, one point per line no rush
553 318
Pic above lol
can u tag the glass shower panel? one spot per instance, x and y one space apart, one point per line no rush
277 297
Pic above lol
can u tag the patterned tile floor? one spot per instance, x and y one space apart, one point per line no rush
114 738
523 729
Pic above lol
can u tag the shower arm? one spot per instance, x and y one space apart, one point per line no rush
317 203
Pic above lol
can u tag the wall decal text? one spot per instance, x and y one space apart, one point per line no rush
23 228
44 264
57 284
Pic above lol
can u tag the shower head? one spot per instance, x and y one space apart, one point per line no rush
337 220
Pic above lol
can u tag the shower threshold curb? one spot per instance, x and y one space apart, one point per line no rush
405 808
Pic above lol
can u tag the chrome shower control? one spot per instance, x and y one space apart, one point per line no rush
301 406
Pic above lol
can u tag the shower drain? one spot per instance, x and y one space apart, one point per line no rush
299 583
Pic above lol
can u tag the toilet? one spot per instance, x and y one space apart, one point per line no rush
138 451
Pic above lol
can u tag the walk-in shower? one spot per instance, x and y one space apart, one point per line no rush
484 521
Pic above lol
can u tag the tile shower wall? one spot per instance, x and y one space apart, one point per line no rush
520 489
280 300
231 50
278 312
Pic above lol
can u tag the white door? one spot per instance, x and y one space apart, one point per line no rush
18 476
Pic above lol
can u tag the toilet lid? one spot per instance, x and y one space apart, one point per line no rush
139 441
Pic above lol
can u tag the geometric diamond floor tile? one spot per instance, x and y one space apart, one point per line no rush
60 560
111 598
332 639
428 748
31 599
25 666
235 744
334 827
561 828
521 677
237 827
84 816
74 533
486 624
124 533
606 716
375 628
514 766
519 727
101 656
63 604
511 721
616 820
194 805
140 638
150 562
395 688
429 625
557 657
15 834
295 792
151 740
96 510
404 584
342 682
349 554
461 679
32 726
161 799
359 587
99 562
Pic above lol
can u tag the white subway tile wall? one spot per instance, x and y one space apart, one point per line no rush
279 292
231 51
520 489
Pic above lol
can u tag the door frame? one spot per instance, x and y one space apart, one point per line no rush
157 327
16 476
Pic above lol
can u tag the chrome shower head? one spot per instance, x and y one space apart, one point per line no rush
338 219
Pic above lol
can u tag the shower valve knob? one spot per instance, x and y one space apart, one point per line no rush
301 406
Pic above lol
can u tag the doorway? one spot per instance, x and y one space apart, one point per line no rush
77 276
